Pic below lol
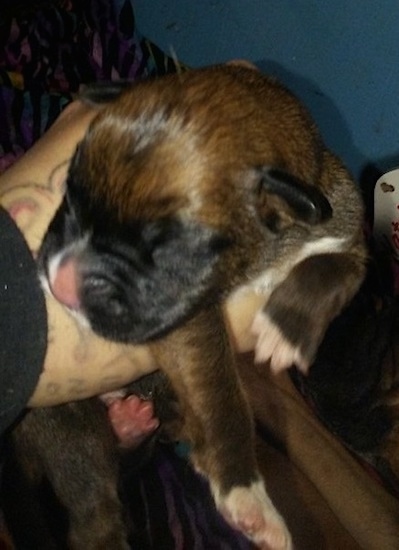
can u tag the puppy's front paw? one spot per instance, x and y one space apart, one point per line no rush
273 345
250 510
132 420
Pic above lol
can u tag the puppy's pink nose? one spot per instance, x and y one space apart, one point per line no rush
64 285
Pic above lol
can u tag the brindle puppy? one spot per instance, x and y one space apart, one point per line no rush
184 192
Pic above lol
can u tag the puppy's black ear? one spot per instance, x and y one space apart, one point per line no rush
99 93
283 199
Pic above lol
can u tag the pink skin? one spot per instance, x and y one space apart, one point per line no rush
132 420
64 284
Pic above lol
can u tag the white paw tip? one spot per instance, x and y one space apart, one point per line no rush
250 510
272 346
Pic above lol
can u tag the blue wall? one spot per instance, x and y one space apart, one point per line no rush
341 57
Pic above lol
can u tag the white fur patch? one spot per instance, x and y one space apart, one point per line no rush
53 265
325 245
47 279
109 397
250 510
73 249
271 277
272 345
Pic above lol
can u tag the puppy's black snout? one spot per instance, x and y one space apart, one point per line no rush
116 306
102 294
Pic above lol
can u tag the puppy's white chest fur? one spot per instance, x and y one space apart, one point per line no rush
273 276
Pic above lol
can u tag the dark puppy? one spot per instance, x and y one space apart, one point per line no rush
185 192
64 459
62 485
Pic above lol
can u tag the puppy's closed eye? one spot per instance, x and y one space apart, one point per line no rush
170 236
138 282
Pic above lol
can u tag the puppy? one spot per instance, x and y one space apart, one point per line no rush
64 459
186 192
62 485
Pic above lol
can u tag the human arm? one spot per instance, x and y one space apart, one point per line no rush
77 363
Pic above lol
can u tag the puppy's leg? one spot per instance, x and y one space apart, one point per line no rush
132 419
217 422
25 516
292 325
85 478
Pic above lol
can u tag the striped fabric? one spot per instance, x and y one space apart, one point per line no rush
49 49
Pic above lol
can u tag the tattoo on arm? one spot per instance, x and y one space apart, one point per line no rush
33 204
77 387
52 388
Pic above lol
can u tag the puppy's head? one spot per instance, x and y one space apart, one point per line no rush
159 208
132 278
